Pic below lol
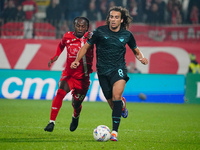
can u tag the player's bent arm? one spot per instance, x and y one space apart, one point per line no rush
140 56
80 55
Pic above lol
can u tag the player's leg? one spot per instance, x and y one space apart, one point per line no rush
57 103
118 81
106 87
110 103
118 89
107 84
80 90
77 106
58 99
124 109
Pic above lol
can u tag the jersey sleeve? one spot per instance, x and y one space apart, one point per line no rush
132 43
94 37
60 48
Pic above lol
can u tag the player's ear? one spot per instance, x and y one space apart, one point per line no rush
122 20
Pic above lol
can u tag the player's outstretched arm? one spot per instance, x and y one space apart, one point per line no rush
140 56
79 56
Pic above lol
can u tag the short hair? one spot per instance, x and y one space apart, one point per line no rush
83 18
127 19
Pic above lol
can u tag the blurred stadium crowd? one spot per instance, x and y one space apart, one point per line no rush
60 13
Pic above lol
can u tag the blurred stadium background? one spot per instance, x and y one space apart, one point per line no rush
167 32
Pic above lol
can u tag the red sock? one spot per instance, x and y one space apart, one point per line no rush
57 103
77 111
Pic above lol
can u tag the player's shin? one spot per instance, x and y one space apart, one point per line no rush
57 103
77 111
77 105
116 114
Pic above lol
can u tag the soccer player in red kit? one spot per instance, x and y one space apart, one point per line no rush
73 80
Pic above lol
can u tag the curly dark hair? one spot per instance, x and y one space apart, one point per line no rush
83 18
127 19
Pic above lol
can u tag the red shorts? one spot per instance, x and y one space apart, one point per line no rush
79 87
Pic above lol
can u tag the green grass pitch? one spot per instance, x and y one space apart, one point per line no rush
149 126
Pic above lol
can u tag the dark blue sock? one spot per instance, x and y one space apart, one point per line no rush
116 114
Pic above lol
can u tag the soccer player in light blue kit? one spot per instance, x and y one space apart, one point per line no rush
110 41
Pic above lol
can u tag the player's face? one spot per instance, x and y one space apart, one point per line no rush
115 20
80 27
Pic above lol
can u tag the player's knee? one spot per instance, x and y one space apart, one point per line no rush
64 85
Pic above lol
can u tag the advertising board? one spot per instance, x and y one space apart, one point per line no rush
35 84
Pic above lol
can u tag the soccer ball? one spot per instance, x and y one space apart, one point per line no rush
142 96
102 133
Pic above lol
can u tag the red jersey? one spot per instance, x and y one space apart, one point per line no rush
73 45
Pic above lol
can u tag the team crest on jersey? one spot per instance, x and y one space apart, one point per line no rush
74 51
73 39
121 39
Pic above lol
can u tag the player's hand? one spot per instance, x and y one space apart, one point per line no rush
74 65
89 35
144 61
51 61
